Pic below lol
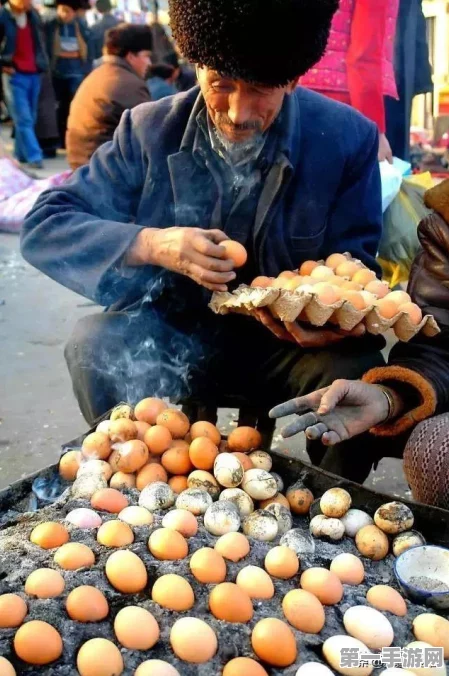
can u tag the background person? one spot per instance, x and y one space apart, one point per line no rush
116 85
161 81
23 58
98 30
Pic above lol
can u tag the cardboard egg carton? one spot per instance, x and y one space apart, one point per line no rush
303 304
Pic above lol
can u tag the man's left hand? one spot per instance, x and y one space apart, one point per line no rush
305 336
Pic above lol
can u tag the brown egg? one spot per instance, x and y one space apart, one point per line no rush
386 308
350 286
327 294
49 535
245 460
147 410
235 251
336 259
193 640
96 445
45 583
6 668
177 461
364 276
256 582
244 439
372 543
37 643
136 516
202 453
383 597
304 611
74 555
122 480
281 562
136 628
181 520
13 610
178 483
232 546
378 288
355 298
244 666
398 297
229 602
413 311
347 269
262 282
181 443
156 668
109 500
432 629
299 498
205 429
142 429
274 642
132 456
115 533
122 411
126 572
158 439
204 481
348 568
122 430
173 592
175 421
87 604
69 465
149 474
307 267
279 499
168 545
99 657
208 566
324 584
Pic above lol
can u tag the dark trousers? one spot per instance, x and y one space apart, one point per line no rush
65 90
122 356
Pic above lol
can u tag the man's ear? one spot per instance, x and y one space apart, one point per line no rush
292 85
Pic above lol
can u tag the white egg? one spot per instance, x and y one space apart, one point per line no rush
279 481
261 460
103 427
241 500
369 626
335 502
84 518
261 525
316 525
84 487
332 648
259 484
354 520
313 669
95 466
136 516
425 671
157 495
194 500
221 518
333 529
299 541
282 515
228 470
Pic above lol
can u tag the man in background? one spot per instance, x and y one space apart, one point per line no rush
162 81
98 30
22 58
115 86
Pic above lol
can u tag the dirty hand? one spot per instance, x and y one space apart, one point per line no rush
385 152
336 413
189 251
305 336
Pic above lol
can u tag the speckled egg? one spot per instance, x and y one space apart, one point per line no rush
157 496
299 541
259 484
194 500
394 517
282 515
407 540
335 502
261 460
222 517
228 470
261 525
240 499
204 481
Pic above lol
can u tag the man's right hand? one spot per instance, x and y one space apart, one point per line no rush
193 252
8 70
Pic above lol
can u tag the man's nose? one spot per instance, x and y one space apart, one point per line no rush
239 108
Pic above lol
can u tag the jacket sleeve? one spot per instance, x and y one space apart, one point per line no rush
78 233
356 220
364 59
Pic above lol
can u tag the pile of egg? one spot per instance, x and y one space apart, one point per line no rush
340 278
239 492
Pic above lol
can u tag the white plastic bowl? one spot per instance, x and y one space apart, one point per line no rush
424 561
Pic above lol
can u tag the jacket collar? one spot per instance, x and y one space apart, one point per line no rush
119 61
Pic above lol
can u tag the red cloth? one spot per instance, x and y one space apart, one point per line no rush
24 59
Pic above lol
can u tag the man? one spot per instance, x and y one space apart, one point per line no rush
68 44
22 58
248 156
398 400
115 86
98 30
161 81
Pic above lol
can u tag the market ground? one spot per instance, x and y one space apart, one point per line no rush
38 412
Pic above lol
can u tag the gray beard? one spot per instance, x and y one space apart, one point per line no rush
237 154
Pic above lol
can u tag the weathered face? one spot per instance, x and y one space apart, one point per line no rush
140 62
65 13
240 110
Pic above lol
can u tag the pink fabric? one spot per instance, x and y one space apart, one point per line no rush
330 74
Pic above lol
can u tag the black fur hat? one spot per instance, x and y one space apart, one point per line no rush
265 42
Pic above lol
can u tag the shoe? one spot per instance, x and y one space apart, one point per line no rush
36 165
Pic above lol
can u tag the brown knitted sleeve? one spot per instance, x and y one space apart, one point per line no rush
422 388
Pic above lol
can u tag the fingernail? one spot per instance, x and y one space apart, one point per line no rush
322 410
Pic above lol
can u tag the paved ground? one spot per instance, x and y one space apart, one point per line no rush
38 411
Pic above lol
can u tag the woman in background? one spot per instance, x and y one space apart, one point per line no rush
357 67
